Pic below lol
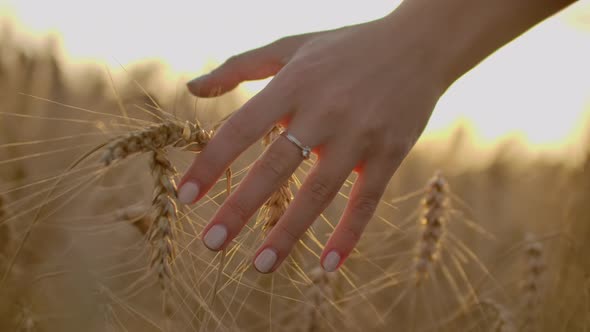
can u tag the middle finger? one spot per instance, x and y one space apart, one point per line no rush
268 173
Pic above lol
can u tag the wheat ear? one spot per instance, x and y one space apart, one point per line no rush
190 136
532 282
25 320
435 206
318 299
278 202
164 216
504 320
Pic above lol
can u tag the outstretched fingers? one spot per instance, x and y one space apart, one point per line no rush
318 190
268 173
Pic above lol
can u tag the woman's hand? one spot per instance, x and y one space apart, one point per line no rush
360 96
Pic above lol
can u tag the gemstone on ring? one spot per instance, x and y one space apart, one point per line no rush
305 150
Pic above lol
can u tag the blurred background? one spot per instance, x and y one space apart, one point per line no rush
511 137
536 89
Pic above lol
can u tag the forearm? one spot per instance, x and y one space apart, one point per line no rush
461 33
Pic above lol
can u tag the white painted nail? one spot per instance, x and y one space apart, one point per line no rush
265 260
331 261
188 193
215 237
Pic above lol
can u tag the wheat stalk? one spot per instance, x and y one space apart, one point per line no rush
5 229
24 320
532 282
6 235
190 136
435 206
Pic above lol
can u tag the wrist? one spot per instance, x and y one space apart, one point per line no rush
413 27
456 35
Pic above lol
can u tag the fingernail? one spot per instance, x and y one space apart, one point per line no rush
265 260
331 261
215 237
188 192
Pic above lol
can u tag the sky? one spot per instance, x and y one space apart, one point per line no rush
537 87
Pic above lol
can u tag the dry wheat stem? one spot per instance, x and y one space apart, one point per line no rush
435 206
222 258
5 230
6 236
190 136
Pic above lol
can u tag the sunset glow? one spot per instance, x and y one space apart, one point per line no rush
536 88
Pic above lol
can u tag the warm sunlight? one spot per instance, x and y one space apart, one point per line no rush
129 204
536 88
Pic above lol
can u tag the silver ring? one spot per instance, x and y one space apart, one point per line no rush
305 150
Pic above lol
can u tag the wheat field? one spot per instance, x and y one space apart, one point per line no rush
91 238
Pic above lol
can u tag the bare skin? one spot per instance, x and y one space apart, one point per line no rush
360 96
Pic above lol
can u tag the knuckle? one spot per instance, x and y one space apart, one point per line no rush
205 168
289 84
300 70
273 164
368 140
393 148
238 210
364 206
321 191
232 60
371 134
334 103
330 112
283 41
335 108
398 149
285 232
353 234
375 129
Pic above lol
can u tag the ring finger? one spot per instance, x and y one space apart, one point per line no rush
268 173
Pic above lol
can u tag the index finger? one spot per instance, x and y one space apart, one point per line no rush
242 129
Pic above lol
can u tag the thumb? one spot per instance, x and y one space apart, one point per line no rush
255 64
